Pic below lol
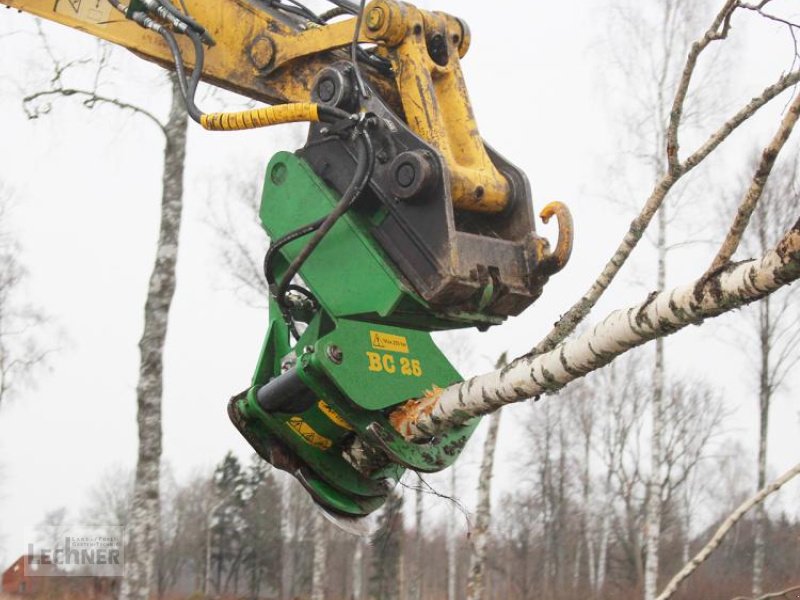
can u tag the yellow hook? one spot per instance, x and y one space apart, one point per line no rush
553 262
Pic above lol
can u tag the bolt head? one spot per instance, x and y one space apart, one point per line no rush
405 174
262 52
326 89
335 354
375 18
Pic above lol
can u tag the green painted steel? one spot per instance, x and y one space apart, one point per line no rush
365 351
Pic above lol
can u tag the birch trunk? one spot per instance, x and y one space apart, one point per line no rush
144 524
661 314
653 514
483 516
452 546
764 394
416 581
358 570
320 561
602 558
287 545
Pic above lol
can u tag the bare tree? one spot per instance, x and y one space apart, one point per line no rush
144 524
483 514
320 562
21 350
775 323
452 543
649 43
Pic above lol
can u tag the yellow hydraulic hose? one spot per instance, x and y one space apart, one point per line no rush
261 117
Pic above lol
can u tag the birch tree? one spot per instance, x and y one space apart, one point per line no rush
724 286
144 524
773 328
648 51
480 532
320 561
452 541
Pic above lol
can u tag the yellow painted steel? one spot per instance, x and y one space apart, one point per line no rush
434 96
260 117
553 262
265 56
256 54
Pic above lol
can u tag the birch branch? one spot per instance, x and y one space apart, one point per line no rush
782 594
723 530
756 189
578 311
659 315
723 19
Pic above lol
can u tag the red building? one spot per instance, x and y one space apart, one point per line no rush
16 581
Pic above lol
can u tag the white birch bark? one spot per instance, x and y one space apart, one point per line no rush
358 570
661 314
144 524
764 394
416 580
654 502
320 560
605 533
287 544
483 515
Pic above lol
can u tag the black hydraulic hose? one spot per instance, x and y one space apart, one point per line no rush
269 258
175 50
337 11
197 72
365 163
350 7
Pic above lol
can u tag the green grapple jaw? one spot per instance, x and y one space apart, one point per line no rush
356 361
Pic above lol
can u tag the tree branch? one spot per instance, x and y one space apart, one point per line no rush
723 530
578 311
90 99
748 110
659 315
756 189
782 594
714 33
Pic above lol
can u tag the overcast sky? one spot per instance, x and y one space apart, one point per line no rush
86 191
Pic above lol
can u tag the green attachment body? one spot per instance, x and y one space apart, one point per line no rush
365 350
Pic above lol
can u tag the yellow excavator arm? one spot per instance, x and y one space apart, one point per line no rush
265 53
396 216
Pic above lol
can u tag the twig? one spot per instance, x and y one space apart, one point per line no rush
758 8
714 33
756 189
723 530
91 98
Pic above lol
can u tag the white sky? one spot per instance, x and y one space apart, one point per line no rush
87 187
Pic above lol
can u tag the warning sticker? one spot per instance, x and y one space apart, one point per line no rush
305 431
388 341
333 415
91 11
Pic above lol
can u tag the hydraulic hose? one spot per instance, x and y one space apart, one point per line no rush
365 163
